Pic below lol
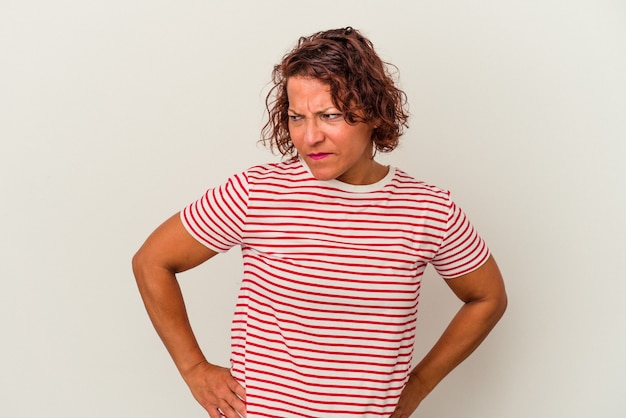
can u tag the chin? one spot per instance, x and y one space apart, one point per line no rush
324 176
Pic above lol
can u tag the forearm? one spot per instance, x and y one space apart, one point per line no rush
164 303
485 302
466 331
167 251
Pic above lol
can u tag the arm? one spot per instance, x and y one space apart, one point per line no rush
170 249
484 297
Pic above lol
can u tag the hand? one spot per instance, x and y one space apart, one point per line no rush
215 388
410 398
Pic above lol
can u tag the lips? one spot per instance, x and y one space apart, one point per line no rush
318 156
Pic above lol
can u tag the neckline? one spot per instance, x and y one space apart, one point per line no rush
355 188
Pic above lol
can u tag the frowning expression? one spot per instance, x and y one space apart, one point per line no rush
331 148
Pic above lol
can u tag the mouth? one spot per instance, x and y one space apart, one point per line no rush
319 155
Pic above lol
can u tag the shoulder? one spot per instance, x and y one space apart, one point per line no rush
405 184
288 170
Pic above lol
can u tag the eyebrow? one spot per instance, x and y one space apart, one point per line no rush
317 113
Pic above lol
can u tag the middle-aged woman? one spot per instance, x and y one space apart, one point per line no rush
334 246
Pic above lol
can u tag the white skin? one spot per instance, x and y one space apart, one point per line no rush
333 149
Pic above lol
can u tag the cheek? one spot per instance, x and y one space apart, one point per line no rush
296 135
360 139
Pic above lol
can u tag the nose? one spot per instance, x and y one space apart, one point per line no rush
312 133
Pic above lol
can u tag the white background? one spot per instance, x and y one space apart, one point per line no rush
115 114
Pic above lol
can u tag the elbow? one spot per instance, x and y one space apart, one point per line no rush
139 263
501 302
503 305
149 267
136 264
494 306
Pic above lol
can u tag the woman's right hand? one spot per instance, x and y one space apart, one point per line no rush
216 390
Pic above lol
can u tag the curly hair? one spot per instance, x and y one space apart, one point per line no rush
361 86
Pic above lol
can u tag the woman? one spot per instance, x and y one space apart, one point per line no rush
334 245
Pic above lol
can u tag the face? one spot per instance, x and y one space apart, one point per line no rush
331 148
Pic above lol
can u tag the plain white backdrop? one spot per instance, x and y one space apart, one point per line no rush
114 115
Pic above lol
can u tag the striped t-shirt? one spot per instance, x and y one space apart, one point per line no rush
324 324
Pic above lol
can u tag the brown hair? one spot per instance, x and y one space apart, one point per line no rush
360 84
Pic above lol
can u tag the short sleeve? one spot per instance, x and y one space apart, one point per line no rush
217 219
462 249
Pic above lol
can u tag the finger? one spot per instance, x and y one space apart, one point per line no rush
230 412
238 406
398 414
213 412
237 388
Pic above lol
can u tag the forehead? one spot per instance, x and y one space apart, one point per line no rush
309 93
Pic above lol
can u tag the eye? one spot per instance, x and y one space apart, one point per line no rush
332 116
294 118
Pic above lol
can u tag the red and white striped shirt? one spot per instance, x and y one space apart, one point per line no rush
324 324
